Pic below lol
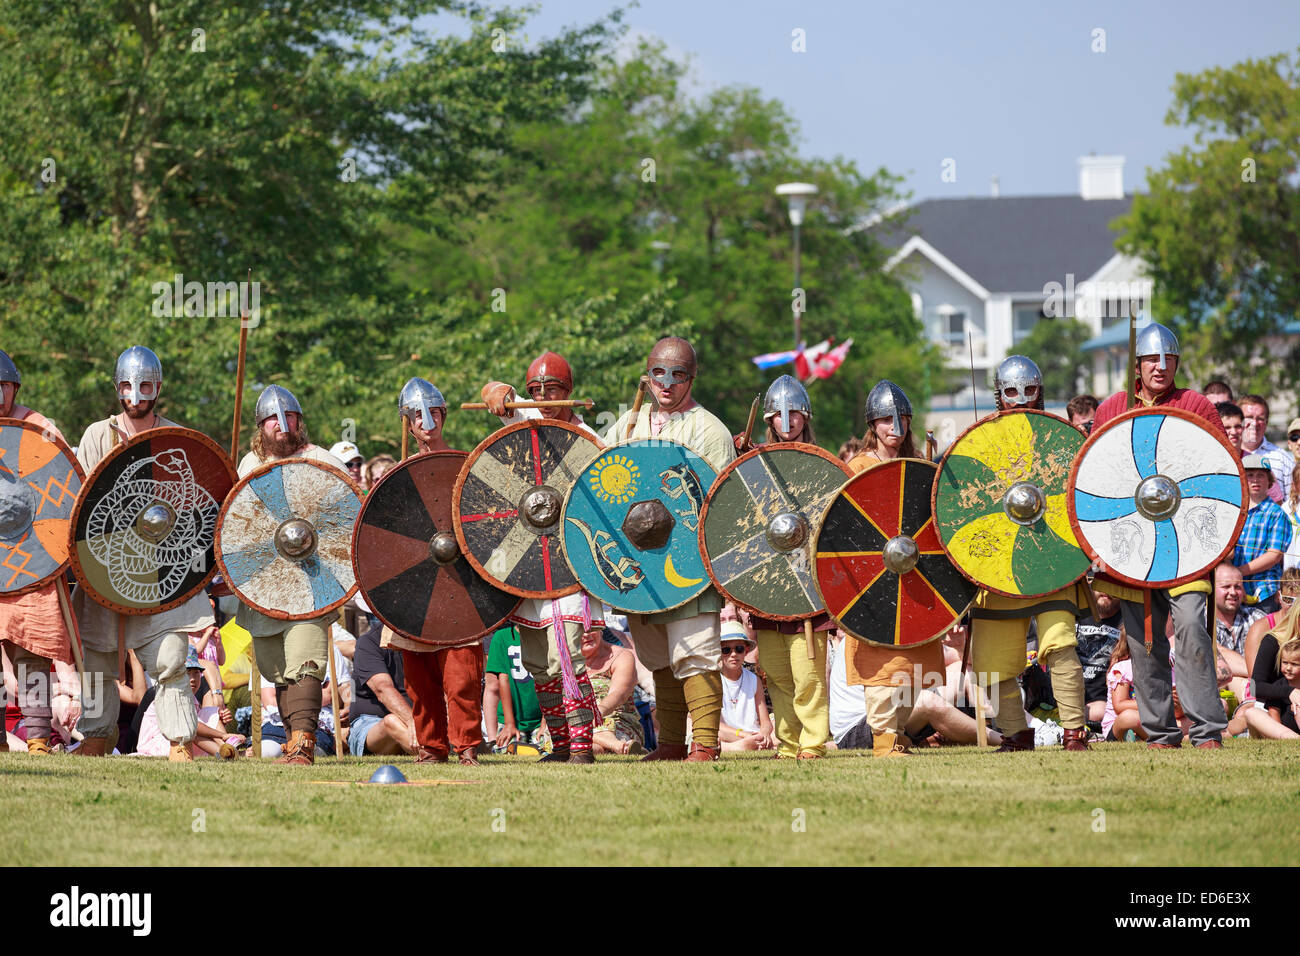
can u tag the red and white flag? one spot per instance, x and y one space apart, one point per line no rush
821 360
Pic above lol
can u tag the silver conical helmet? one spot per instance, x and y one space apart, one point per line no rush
1155 339
136 366
8 370
418 400
1021 374
887 400
277 402
784 396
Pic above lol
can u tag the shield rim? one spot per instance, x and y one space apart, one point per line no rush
564 514
356 530
934 496
72 523
474 456
817 538
149 434
816 451
221 521
1195 419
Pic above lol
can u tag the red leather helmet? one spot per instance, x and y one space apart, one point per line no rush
549 367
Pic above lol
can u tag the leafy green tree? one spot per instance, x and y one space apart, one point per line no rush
1219 226
1054 345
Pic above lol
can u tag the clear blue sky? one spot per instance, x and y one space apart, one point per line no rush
1005 87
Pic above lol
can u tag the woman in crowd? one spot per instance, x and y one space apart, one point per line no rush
612 672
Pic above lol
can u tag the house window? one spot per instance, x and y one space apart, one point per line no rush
954 328
1023 320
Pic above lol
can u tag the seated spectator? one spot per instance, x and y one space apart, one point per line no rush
1095 642
1121 707
1288 592
211 737
1217 391
1230 415
376 468
511 712
1291 506
348 453
745 721
612 672
1276 682
65 707
1264 538
381 718
1082 410
1254 440
273 734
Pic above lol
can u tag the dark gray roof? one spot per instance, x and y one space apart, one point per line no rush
1018 243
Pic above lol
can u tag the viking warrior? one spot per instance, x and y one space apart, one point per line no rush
886 672
1153 385
159 640
569 719
444 683
682 647
293 655
1000 624
31 624
796 679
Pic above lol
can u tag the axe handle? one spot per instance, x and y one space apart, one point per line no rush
808 639
636 408
405 435
746 444
255 699
334 700
548 403
74 635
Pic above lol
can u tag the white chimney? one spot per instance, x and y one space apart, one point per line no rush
1101 177
993 186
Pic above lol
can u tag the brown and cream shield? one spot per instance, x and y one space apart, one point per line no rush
145 524
409 564
507 504
284 539
39 482
756 528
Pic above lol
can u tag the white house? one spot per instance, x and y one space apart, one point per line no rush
994 267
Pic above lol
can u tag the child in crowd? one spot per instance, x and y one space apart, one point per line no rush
745 721
1276 683
211 737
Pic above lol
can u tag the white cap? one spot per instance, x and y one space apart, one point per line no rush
735 631
345 451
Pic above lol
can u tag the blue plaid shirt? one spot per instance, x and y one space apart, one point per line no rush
1267 526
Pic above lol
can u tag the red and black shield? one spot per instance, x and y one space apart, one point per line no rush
880 566
409 564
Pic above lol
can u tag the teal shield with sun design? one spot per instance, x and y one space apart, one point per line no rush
631 526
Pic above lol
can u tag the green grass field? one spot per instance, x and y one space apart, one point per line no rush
949 806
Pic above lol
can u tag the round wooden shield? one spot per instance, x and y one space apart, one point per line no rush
284 539
39 482
1158 495
999 503
144 527
880 567
507 502
631 526
757 526
409 564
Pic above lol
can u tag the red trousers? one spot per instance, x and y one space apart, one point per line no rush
446 689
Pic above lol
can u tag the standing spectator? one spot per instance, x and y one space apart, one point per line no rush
1264 538
1254 417
382 722
1217 391
1289 503
1081 410
517 715
1095 643
349 454
1230 415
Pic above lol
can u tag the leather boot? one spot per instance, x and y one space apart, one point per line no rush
1023 740
38 745
666 752
181 753
582 756
425 755
301 749
93 747
888 745
1076 739
558 755
702 754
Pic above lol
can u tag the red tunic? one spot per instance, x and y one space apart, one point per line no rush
1184 398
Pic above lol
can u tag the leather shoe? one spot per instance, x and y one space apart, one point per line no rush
1023 740
666 752
1157 745
1076 739
702 754
1210 745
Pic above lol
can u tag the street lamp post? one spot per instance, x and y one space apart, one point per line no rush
797 195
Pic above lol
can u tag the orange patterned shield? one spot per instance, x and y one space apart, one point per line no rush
39 483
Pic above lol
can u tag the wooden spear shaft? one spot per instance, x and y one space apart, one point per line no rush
548 403
746 443
636 408
239 380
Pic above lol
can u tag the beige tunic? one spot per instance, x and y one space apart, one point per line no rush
99 624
